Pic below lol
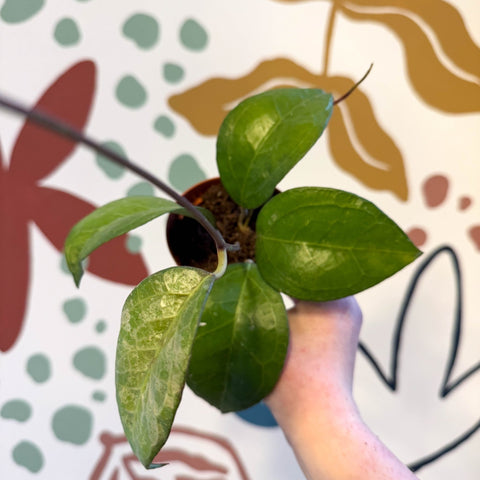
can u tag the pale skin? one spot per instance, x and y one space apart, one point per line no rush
313 401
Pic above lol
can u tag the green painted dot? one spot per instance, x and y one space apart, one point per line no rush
16 11
111 170
101 326
193 36
66 32
134 243
39 367
185 172
99 396
130 92
142 29
28 455
164 126
16 410
91 362
72 424
172 72
75 309
141 188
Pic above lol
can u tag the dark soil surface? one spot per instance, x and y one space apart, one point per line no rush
191 245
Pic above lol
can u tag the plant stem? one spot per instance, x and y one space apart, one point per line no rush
60 127
345 95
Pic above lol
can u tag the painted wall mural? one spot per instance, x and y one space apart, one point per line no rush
153 81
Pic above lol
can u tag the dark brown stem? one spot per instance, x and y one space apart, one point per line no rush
58 126
345 95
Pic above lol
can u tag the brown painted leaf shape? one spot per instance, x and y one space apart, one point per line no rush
446 23
437 86
363 148
206 105
382 167
38 151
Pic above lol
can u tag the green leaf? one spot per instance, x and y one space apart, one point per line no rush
241 344
110 221
263 138
159 321
321 244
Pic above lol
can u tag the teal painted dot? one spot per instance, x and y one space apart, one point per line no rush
164 126
141 188
28 455
91 362
72 424
16 11
130 92
63 265
172 72
142 29
185 172
193 36
39 367
66 32
16 410
75 309
134 243
99 396
101 326
111 170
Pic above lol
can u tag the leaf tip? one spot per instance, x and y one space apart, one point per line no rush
153 466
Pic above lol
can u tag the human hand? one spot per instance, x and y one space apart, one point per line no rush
321 356
313 403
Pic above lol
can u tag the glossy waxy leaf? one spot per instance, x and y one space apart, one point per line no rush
263 138
110 221
159 321
322 244
241 344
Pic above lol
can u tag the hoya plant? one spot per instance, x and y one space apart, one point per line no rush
224 332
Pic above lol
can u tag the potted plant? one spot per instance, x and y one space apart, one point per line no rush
224 332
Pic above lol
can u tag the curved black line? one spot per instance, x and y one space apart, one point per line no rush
414 467
391 378
376 365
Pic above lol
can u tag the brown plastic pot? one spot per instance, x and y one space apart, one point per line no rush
189 242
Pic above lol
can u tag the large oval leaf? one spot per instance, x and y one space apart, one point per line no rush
322 244
110 221
263 138
159 321
241 344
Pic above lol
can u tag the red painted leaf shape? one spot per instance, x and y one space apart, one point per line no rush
14 275
55 212
433 81
38 151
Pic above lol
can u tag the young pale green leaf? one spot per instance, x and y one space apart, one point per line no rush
110 221
159 321
263 138
241 343
322 244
